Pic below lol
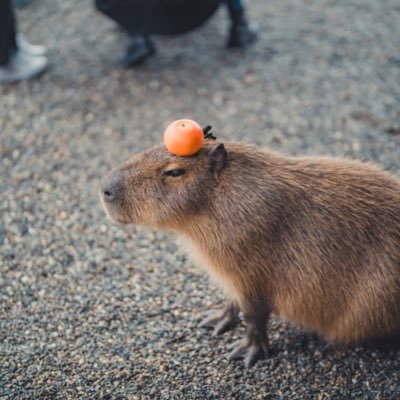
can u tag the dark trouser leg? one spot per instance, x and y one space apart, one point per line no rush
235 9
240 33
139 48
7 31
132 16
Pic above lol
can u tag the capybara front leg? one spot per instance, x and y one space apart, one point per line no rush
222 320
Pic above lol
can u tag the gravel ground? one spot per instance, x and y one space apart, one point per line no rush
89 310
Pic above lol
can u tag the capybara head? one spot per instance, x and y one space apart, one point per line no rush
157 188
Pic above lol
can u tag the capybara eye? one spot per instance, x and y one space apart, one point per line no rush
174 172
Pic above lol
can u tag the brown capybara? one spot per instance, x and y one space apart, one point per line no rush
314 240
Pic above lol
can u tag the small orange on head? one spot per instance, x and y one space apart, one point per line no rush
183 137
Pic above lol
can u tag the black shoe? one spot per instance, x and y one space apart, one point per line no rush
139 48
241 34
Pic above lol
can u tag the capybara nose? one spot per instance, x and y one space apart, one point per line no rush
111 188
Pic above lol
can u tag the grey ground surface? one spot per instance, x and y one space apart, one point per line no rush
89 310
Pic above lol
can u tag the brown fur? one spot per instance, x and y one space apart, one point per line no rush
315 240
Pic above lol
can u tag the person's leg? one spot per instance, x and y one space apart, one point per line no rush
240 33
131 17
235 7
139 48
15 63
7 32
21 3
13 27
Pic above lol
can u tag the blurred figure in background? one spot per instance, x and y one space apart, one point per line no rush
240 32
18 59
141 18
21 3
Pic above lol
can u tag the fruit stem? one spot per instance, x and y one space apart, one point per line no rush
207 133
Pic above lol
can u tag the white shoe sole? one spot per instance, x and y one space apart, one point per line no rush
23 67
28 48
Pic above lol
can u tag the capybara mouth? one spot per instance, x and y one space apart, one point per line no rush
114 209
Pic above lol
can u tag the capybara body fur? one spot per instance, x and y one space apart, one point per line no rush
314 240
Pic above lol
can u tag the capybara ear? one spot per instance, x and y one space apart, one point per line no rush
216 157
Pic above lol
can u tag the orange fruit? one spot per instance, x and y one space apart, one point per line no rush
183 137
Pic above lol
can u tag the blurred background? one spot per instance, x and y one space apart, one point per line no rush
91 310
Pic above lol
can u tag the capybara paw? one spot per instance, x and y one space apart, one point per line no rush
220 320
249 350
